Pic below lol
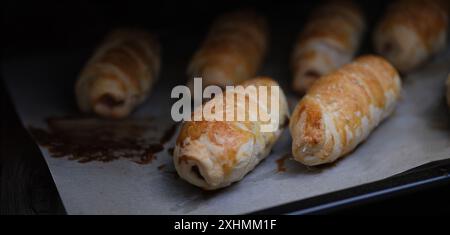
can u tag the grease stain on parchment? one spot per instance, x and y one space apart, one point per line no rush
91 139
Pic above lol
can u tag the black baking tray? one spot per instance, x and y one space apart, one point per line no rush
432 175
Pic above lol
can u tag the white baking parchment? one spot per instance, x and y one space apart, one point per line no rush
41 86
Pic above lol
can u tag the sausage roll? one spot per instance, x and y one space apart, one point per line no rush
120 74
330 39
342 108
233 50
411 31
214 154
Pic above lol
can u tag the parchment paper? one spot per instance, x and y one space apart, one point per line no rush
41 85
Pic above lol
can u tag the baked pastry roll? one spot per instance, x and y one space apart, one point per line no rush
411 31
329 40
342 108
232 51
214 154
120 74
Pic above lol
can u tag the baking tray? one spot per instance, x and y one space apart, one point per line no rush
432 175
41 86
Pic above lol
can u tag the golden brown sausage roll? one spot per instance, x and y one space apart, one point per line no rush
214 154
411 31
342 108
233 50
330 39
120 74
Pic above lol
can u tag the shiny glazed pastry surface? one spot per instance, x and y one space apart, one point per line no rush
214 154
342 108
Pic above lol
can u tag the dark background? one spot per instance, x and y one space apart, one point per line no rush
26 186
57 25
